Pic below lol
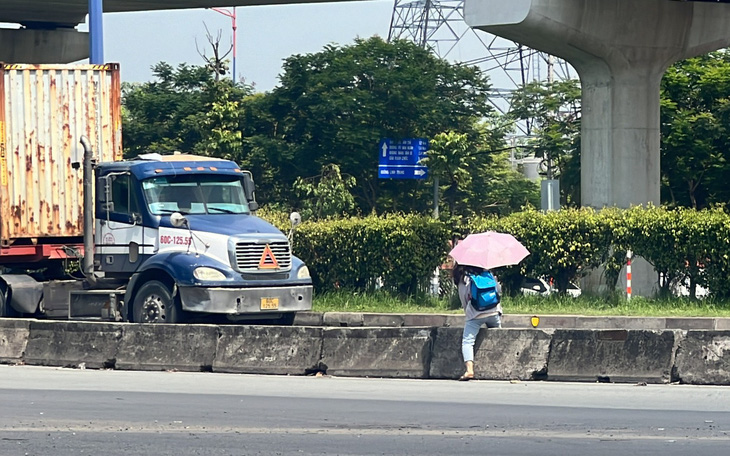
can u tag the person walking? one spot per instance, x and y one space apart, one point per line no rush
492 317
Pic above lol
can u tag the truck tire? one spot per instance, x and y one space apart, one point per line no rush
287 319
6 310
154 304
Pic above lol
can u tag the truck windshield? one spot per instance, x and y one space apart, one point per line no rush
195 194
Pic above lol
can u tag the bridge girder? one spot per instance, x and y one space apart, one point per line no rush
46 14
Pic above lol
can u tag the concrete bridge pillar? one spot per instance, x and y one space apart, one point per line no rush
621 49
43 45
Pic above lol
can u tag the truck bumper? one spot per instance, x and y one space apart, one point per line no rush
232 301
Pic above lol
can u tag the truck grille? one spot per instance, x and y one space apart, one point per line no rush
249 255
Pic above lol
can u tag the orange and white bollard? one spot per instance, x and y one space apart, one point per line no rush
629 254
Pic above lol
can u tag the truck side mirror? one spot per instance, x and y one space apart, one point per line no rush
102 189
178 220
249 189
104 193
295 219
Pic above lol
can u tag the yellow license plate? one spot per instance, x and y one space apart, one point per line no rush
269 303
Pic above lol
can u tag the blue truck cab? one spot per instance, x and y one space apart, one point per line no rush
179 231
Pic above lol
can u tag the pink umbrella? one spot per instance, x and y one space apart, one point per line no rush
489 250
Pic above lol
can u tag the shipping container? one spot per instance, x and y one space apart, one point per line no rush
44 112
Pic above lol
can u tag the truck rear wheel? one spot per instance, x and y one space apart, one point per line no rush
287 319
154 304
5 309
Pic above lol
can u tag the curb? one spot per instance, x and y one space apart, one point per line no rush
359 319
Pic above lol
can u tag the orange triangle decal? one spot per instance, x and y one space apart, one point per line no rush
268 260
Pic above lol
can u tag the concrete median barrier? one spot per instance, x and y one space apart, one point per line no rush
612 355
167 347
377 352
13 339
703 358
72 344
499 354
619 355
268 350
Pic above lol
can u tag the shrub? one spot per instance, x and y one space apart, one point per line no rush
398 252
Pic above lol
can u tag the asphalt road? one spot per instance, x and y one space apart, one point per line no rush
48 411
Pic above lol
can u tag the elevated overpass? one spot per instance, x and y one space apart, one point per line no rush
47 31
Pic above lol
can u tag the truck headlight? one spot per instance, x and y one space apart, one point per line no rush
206 273
303 273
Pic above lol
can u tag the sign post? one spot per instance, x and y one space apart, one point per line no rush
399 159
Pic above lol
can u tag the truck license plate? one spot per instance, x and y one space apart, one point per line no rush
269 303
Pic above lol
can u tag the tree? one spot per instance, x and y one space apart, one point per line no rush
217 63
555 110
222 121
449 157
695 115
326 195
185 110
335 106
474 173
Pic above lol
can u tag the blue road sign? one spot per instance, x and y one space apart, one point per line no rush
399 158
402 172
402 151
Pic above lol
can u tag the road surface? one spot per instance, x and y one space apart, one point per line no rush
49 411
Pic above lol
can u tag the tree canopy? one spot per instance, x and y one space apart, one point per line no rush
334 106
184 109
317 132
695 125
554 110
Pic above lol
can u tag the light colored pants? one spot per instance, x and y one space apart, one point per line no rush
471 329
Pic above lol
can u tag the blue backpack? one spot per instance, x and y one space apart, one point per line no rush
484 295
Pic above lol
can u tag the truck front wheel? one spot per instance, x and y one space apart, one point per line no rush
154 304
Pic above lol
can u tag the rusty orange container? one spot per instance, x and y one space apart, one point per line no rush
44 111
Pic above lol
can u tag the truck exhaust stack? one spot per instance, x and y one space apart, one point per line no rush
89 162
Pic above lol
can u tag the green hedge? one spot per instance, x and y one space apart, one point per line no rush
401 252
680 244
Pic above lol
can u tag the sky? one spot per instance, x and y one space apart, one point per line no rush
266 35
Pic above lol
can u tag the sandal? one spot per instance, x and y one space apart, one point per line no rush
466 377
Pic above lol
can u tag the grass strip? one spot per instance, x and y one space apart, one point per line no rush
386 302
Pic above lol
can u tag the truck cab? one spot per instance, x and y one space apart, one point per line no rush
180 230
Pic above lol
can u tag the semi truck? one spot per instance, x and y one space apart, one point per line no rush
86 234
